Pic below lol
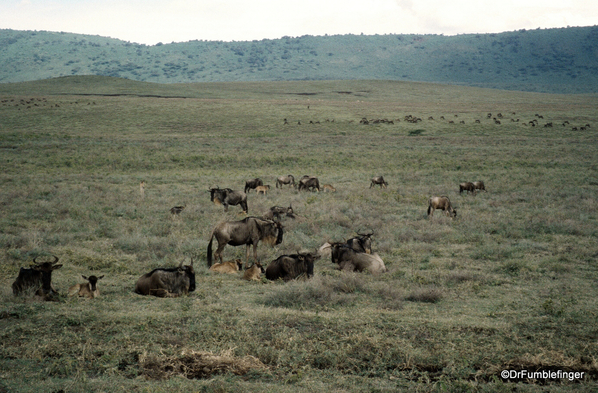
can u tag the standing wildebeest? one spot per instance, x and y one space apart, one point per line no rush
88 289
352 261
479 185
361 243
290 267
167 282
378 180
288 179
442 203
308 183
226 197
467 186
275 213
262 189
38 277
248 231
253 183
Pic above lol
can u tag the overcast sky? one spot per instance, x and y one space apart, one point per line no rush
153 21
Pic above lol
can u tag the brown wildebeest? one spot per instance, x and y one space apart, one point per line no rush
228 267
479 185
88 289
252 184
276 212
290 267
262 189
167 282
254 273
38 278
442 203
226 197
350 260
308 183
249 231
288 179
328 187
379 180
467 186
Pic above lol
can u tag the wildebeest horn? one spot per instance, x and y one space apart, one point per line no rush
55 259
181 264
191 261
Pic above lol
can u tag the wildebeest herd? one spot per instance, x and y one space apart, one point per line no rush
352 255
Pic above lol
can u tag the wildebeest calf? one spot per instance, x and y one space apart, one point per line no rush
87 289
254 273
229 267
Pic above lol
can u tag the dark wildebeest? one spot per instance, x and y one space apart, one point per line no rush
442 203
226 197
290 267
249 231
38 278
350 260
288 179
167 282
253 183
361 243
308 183
177 209
378 180
254 273
479 185
228 267
467 186
276 212
88 289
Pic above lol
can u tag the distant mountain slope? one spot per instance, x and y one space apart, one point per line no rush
552 60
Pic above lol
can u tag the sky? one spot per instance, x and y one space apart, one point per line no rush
153 21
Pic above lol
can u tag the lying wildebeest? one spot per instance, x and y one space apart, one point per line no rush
38 278
288 179
328 187
249 231
262 189
276 212
479 185
350 260
308 183
467 186
167 282
177 209
378 180
88 289
253 183
226 197
442 203
254 273
290 267
228 267
361 243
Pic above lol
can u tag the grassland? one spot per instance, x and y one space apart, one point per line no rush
509 284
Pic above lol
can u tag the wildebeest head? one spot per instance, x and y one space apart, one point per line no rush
361 243
271 233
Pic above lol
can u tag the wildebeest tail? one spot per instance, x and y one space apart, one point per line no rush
210 251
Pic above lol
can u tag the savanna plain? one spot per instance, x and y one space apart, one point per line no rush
509 284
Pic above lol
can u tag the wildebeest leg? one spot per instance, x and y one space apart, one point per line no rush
225 206
218 253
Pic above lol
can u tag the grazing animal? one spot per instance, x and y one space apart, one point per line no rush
442 203
379 180
290 267
253 184
167 282
361 243
226 197
254 273
309 183
142 189
38 278
328 187
467 186
228 267
288 179
88 289
479 185
262 189
275 213
350 260
177 209
249 231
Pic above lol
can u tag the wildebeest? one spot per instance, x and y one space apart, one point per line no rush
276 212
361 243
378 180
308 183
442 203
167 282
254 273
249 231
262 189
87 289
479 185
228 267
467 186
177 209
290 267
328 187
226 197
288 179
253 183
352 261
38 278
